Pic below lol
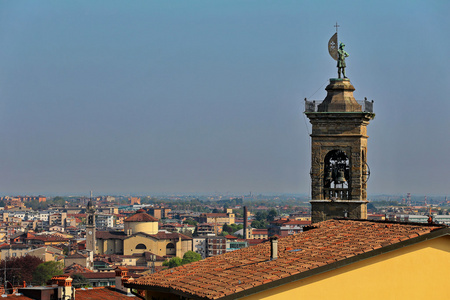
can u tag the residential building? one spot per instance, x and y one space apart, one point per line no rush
285 227
216 245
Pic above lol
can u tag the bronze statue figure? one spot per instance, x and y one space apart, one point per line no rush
341 60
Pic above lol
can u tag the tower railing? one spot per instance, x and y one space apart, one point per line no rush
337 193
312 105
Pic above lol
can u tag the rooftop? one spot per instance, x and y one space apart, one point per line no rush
332 244
141 216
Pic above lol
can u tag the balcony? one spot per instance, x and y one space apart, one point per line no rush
312 106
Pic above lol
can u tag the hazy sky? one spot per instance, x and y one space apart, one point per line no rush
148 97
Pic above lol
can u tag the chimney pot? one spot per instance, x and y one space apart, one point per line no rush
273 248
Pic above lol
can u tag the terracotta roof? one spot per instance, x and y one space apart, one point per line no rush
108 235
48 238
141 216
259 231
253 242
76 268
97 275
230 237
324 248
161 235
290 222
76 255
99 293
14 246
149 256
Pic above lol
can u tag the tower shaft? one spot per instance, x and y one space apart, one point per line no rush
339 169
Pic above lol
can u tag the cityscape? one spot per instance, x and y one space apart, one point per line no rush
224 150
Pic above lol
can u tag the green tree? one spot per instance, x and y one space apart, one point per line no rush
227 228
80 281
259 224
190 222
173 262
261 216
45 271
191 256
272 214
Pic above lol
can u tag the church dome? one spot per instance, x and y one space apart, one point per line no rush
141 222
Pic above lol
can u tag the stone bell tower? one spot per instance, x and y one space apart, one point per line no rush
90 227
339 170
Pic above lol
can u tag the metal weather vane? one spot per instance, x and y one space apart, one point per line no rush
338 53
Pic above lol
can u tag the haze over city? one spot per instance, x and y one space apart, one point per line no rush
208 96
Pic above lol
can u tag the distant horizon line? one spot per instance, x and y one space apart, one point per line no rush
198 194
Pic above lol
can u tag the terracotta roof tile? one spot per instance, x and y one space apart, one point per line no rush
330 242
108 235
141 216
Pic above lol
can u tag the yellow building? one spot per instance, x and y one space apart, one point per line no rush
161 244
339 259
141 234
219 219
140 222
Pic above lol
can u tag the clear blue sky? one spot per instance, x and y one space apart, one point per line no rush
149 97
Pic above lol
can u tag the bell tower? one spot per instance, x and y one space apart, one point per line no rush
339 170
90 227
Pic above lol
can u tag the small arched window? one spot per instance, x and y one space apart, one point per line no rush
170 249
141 247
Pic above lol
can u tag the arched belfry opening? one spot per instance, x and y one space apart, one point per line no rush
336 177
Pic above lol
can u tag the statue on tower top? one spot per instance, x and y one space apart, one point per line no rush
341 60
338 54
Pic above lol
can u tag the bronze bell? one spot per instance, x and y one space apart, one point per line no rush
329 176
340 177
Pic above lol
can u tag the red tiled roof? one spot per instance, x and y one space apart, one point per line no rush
252 242
76 255
141 216
241 270
48 238
259 231
108 235
290 222
76 268
97 275
230 237
100 293
161 235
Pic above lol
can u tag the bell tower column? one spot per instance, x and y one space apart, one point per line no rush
339 169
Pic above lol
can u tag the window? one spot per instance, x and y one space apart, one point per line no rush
170 249
141 247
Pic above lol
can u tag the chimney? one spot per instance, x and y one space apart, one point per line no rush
65 289
245 222
273 248
122 277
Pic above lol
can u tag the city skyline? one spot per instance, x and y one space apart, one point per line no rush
202 97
